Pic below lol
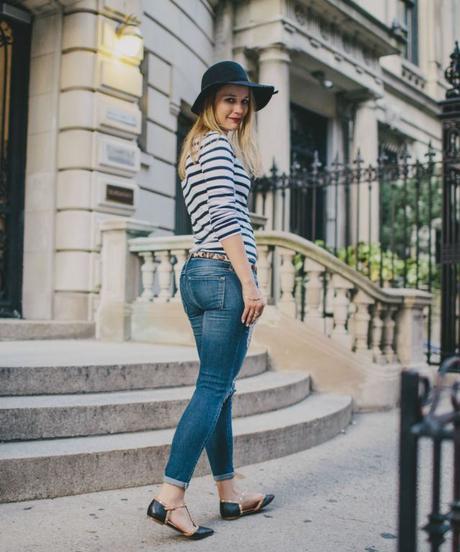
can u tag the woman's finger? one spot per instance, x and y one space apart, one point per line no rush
248 314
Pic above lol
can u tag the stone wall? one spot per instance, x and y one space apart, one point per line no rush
82 153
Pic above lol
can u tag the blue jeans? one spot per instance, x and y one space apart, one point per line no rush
212 299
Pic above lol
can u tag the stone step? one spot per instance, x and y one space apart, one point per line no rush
13 329
61 467
50 416
90 366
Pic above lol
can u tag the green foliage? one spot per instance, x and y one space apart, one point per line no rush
368 258
400 225
398 203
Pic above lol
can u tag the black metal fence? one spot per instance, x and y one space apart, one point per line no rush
450 251
383 219
420 419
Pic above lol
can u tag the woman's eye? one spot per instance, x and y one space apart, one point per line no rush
231 100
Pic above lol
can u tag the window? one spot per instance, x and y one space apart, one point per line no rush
409 20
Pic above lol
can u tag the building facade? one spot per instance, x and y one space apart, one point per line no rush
91 129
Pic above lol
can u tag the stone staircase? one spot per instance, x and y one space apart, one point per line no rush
84 415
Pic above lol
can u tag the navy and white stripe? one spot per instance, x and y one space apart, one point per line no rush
216 193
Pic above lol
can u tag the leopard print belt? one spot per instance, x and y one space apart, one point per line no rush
218 256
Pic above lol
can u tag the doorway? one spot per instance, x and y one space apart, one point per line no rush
14 71
307 202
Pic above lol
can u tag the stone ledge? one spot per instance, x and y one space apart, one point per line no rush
12 329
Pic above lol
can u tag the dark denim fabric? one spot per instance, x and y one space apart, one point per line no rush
212 298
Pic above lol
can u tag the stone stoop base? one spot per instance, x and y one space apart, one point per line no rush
78 416
12 329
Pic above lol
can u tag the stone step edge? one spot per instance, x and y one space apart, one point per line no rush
275 419
20 329
269 379
256 395
110 364
137 460
256 362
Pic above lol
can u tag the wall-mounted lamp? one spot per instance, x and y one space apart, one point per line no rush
129 40
321 78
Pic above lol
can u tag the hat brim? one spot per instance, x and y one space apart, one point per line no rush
262 94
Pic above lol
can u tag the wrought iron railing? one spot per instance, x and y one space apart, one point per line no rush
383 220
450 250
420 419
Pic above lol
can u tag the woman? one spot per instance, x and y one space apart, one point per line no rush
219 289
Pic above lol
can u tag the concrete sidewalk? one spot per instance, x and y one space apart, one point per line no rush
340 496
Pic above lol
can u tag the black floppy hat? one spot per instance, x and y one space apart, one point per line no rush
230 72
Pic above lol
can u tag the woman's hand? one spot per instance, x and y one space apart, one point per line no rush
254 303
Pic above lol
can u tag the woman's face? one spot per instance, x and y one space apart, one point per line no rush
231 106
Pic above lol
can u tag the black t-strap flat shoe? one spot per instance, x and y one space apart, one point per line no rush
160 513
230 509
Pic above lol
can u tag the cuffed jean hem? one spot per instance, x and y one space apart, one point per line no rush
224 476
176 482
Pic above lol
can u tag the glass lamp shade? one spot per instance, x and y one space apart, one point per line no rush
129 41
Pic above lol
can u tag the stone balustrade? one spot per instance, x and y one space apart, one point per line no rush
384 325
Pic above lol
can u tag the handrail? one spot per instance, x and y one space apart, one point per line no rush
301 245
159 243
311 250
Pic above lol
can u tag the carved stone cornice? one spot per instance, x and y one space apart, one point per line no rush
45 6
322 32
348 22
348 32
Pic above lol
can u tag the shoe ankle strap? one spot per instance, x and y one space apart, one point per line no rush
171 508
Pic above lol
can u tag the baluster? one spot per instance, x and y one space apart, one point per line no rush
181 255
340 308
388 334
361 319
377 332
328 313
287 275
264 270
314 287
164 276
147 274
298 289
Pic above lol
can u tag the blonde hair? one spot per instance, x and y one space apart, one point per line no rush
242 139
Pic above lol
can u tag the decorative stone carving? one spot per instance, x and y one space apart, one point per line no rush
264 270
147 272
340 305
361 321
389 333
164 276
287 276
314 288
377 333
181 255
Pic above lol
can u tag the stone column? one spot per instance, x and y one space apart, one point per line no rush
273 121
365 139
98 157
41 172
409 341
119 278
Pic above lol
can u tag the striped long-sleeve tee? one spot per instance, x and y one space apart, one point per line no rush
216 193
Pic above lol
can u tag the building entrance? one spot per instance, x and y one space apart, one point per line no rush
308 148
14 69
